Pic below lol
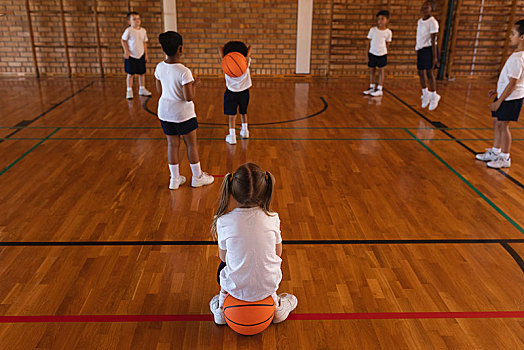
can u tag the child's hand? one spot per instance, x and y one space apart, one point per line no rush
495 105
492 93
435 62
126 55
146 58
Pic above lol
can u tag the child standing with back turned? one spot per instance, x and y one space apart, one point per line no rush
377 49
249 243
508 102
176 111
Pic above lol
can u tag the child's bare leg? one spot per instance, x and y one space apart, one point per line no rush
505 136
231 138
142 80
243 117
372 71
422 77
191 144
497 142
432 82
232 122
380 76
129 81
173 146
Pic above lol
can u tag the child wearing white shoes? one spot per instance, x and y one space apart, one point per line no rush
508 102
134 42
249 243
236 97
427 56
176 110
377 49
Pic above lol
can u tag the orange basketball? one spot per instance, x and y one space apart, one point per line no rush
234 64
249 318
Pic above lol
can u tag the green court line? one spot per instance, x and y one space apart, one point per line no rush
251 127
254 138
469 184
29 151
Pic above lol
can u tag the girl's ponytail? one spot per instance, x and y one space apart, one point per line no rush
223 202
269 191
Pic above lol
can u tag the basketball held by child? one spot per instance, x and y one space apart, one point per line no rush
249 318
234 64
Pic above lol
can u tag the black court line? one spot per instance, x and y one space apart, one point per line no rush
25 123
514 254
286 242
442 127
324 108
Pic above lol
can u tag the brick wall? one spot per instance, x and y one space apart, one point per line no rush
268 26
338 38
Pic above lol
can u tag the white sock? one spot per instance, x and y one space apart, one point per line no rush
424 91
195 169
379 87
432 94
174 170
371 86
244 126
232 132
496 150
129 89
142 87
504 155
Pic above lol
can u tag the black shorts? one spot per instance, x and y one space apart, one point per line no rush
135 66
508 111
377 61
425 58
234 101
183 128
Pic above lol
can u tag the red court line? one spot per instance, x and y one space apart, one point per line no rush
309 317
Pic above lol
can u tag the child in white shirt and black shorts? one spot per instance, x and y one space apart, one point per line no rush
377 49
509 97
176 111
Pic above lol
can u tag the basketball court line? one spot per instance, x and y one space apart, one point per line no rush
291 317
254 127
27 122
443 128
324 108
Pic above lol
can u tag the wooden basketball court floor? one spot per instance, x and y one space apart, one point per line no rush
394 236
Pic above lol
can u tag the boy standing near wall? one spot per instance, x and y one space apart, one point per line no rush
134 41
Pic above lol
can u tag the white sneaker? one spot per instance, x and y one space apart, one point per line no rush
144 92
231 139
204 179
489 155
244 134
500 162
368 91
287 303
217 311
176 182
434 103
377 93
129 94
425 100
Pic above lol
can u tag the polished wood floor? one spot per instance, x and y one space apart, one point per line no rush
381 213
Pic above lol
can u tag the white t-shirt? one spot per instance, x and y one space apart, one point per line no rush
135 40
379 38
424 31
240 83
513 68
250 237
172 106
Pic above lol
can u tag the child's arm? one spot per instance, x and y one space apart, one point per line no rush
248 51
507 91
434 46
279 249
190 89
126 48
158 86
368 42
145 51
222 254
